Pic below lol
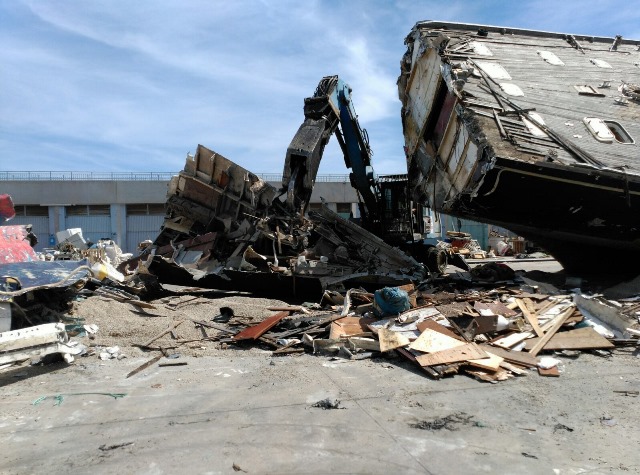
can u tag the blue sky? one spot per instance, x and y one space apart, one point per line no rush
133 86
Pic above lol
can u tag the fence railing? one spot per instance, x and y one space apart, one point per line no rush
131 176
84 176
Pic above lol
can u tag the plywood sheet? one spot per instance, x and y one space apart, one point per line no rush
464 352
431 341
579 339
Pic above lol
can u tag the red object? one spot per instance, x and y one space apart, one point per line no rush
256 331
7 210
14 245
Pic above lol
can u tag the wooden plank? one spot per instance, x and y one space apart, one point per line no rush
518 357
492 363
546 306
390 340
512 340
431 341
531 318
145 365
464 352
557 323
529 304
579 339
160 335
514 369
256 331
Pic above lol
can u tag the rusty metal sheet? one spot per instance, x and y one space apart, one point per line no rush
256 331
15 246
7 210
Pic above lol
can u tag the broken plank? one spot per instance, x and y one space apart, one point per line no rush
530 317
144 365
256 331
173 363
579 339
517 357
469 351
160 335
514 369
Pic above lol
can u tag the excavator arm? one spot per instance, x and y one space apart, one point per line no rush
330 111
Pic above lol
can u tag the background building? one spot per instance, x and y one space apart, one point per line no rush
129 207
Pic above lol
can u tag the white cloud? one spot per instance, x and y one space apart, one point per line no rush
126 85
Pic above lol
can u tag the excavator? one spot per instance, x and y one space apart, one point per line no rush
384 204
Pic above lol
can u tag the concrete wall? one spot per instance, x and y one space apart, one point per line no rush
84 192
129 192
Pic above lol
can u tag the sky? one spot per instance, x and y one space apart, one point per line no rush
133 86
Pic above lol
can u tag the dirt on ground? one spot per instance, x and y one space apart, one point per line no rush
129 325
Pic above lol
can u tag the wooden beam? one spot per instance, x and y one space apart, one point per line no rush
557 323
531 318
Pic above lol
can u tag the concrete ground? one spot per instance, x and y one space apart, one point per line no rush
255 412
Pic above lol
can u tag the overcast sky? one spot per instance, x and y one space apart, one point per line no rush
135 85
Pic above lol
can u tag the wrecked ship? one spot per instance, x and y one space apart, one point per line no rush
532 131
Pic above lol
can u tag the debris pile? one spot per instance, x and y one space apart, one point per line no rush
228 229
489 330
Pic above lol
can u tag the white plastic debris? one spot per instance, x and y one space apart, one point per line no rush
547 362
502 323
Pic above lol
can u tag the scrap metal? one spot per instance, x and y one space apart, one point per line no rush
226 228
